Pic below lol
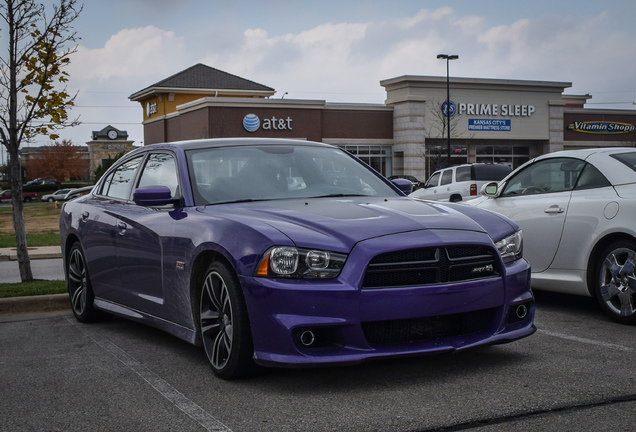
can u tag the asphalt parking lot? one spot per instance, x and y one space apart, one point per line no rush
575 373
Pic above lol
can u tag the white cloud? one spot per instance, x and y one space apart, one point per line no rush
137 52
345 61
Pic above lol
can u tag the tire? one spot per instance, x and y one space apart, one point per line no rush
27 199
50 200
615 282
79 289
224 324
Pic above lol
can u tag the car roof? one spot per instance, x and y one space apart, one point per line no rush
585 153
227 142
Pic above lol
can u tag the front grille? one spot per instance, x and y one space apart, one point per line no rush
382 333
427 266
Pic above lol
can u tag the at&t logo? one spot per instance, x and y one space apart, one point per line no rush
252 123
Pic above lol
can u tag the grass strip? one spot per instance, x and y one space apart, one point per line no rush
33 240
40 287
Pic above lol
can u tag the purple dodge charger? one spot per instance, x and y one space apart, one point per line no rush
289 253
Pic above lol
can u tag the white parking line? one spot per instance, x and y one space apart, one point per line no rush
587 341
190 408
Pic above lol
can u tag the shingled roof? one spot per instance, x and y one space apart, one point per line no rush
203 77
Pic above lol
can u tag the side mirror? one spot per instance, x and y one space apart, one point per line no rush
404 185
152 196
490 189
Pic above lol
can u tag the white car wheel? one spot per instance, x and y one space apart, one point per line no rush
616 281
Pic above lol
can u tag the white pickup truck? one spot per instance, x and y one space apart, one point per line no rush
461 182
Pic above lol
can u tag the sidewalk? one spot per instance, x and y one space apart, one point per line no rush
42 252
33 307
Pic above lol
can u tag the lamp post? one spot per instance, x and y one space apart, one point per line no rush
448 58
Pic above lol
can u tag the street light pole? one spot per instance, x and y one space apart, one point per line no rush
448 58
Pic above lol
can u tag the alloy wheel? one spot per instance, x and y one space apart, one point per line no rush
216 320
618 282
77 281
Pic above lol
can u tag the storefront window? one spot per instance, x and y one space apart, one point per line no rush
377 157
437 156
502 154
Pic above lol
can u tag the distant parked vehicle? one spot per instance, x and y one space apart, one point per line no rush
576 209
57 195
414 180
26 196
76 193
460 183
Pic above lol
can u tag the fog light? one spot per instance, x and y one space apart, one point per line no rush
522 311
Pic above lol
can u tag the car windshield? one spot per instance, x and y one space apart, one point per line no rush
233 174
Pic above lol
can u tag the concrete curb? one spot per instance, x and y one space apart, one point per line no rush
43 252
28 304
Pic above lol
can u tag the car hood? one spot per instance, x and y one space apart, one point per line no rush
337 224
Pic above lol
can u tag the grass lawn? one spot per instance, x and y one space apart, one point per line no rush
42 225
31 288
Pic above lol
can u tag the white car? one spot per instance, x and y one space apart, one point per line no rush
577 210
75 193
461 182
58 195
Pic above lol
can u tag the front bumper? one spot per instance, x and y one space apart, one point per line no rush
317 322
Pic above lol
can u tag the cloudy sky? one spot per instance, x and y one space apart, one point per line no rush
339 50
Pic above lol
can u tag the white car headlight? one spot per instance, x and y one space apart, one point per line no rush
293 262
511 247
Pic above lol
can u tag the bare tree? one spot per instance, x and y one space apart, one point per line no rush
437 152
30 104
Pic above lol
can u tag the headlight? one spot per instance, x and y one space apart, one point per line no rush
511 247
292 262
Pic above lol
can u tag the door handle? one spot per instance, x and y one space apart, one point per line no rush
121 228
84 216
554 209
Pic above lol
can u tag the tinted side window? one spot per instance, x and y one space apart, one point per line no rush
119 184
433 180
628 159
462 174
549 175
494 172
591 178
447 177
160 170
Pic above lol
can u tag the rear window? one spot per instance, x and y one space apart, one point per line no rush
487 172
628 159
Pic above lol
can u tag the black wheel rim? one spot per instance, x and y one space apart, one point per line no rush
216 320
618 282
77 281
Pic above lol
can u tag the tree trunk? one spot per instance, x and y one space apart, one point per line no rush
15 181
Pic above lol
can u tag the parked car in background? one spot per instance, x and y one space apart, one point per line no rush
76 193
5 196
58 195
414 180
461 182
209 241
577 211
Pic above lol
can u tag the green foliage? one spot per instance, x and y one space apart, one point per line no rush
103 167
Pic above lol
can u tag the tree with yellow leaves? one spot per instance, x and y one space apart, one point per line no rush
40 42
